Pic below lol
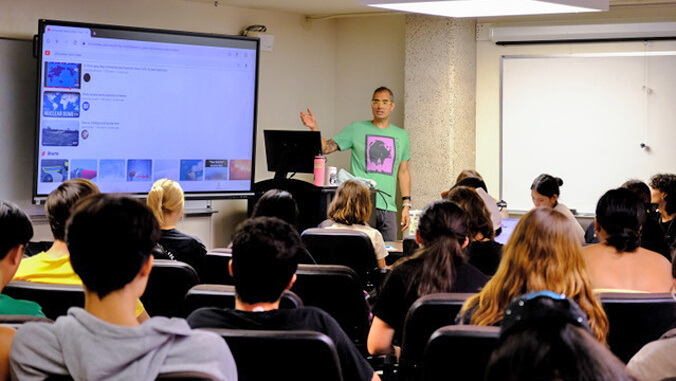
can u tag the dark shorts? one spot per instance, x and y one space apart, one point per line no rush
386 224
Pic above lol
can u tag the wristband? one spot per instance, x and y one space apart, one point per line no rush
406 198
406 204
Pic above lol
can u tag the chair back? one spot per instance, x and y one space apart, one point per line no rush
55 299
336 290
186 376
344 247
635 319
425 316
214 268
223 296
16 321
282 355
459 352
36 247
168 283
174 376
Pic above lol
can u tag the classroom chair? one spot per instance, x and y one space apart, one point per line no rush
168 283
345 247
425 316
223 296
459 352
214 268
635 319
336 290
16 321
55 299
282 355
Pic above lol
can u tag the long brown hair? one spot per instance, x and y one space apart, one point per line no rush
443 230
352 203
477 213
543 253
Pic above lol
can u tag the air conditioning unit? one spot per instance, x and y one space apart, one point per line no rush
506 35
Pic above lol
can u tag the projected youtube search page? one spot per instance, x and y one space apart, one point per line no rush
124 112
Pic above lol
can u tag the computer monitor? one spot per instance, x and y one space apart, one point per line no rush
291 151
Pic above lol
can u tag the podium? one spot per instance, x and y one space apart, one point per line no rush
313 202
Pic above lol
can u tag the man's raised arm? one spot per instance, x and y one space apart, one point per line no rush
309 120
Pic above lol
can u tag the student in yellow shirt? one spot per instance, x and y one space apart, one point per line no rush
53 266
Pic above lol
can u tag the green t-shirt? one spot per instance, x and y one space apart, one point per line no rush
376 155
11 306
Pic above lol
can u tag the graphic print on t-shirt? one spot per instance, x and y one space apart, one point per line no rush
380 154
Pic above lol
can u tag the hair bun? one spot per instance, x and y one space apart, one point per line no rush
558 181
627 240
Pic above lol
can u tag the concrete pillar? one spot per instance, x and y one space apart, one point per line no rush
440 98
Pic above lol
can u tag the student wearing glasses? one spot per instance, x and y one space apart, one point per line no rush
380 152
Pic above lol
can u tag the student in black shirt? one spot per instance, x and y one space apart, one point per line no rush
166 201
263 265
483 252
663 193
438 266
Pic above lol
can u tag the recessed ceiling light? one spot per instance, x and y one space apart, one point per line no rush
486 8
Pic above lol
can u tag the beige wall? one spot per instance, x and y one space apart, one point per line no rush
309 59
369 54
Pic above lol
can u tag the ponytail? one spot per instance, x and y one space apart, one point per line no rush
443 230
440 263
154 201
166 196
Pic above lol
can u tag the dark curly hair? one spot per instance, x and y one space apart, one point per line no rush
666 183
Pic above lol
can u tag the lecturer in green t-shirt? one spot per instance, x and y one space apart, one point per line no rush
380 151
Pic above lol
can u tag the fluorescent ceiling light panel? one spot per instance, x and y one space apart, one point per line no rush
486 8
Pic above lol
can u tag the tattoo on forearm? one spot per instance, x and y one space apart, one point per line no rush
331 146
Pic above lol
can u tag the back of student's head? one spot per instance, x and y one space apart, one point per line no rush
165 197
543 253
351 204
472 182
549 339
547 185
109 238
620 214
479 218
15 228
666 183
468 173
443 231
59 203
640 189
277 203
264 258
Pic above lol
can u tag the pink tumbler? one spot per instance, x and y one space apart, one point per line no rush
320 162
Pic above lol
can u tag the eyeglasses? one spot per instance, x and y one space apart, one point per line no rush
383 102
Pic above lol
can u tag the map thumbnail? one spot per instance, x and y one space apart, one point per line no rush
61 104
62 75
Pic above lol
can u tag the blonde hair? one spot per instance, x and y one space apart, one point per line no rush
166 196
543 253
352 204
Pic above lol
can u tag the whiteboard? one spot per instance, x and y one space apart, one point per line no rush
583 118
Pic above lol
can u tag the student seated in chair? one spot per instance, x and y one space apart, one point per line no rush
110 239
263 265
15 232
53 266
